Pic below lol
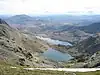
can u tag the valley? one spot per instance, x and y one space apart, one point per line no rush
41 43
49 37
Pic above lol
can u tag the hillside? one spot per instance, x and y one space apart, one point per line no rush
87 52
23 49
70 35
20 20
89 45
92 28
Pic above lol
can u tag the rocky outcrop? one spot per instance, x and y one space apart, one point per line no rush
89 45
87 52
94 60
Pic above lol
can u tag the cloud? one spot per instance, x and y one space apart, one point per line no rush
48 6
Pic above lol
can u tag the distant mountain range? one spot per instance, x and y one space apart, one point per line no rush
91 28
80 20
20 19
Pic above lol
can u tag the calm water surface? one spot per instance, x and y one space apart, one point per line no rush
57 55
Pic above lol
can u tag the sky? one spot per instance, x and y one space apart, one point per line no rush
41 7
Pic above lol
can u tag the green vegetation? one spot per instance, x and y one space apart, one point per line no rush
89 73
7 70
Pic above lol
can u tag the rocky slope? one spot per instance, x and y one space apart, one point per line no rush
18 48
87 52
94 60
89 45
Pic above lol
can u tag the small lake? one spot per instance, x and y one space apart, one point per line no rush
57 55
55 42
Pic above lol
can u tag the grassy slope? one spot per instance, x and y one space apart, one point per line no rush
89 73
5 69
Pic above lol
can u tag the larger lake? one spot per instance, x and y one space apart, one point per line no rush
57 55
55 42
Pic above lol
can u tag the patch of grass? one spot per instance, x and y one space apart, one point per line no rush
89 73
7 70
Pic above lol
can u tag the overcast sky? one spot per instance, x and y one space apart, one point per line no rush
48 6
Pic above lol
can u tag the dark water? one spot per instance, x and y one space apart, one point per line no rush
57 55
